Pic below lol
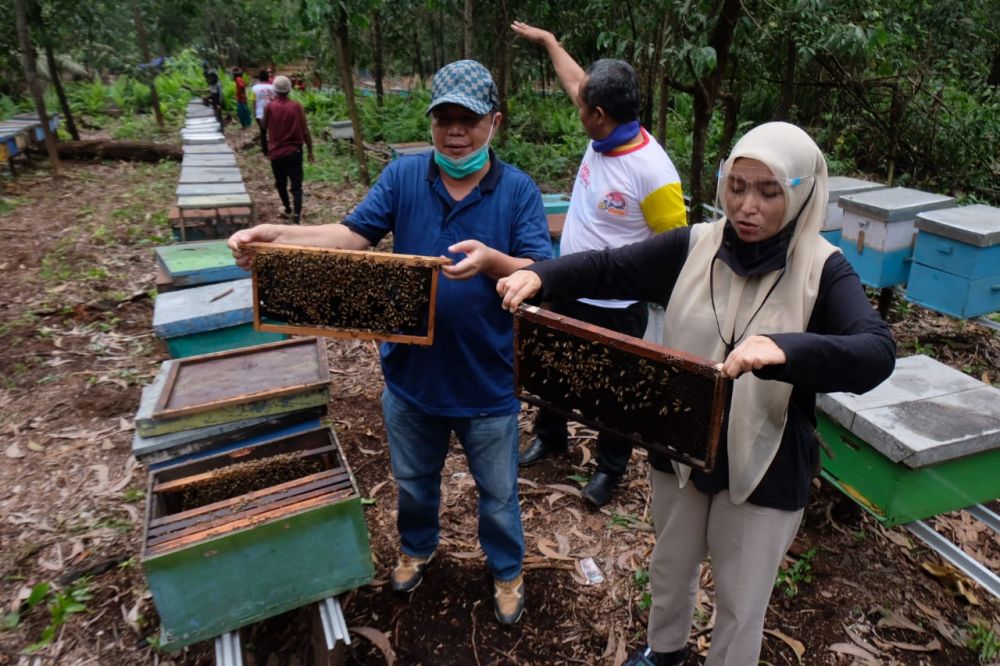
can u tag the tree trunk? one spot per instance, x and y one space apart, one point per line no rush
787 98
140 31
730 122
31 77
502 66
994 77
134 151
652 62
341 42
706 93
661 111
377 47
50 58
467 32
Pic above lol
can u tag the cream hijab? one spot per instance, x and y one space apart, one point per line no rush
759 408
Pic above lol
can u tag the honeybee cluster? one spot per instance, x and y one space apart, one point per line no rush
617 389
246 477
327 290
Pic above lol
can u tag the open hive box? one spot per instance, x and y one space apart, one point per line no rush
345 293
661 399
244 535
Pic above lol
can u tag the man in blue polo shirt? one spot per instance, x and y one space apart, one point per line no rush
461 202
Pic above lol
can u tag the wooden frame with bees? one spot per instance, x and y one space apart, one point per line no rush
345 293
660 399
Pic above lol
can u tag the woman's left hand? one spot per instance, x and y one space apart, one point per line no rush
752 354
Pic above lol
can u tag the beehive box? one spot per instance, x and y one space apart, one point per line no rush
210 318
198 263
341 129
345 293
245 535
555 203
410 148
661 399
878 229
842 186
193 224
236 385
956 261
556 221
925 441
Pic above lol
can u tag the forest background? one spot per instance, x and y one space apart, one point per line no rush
903 91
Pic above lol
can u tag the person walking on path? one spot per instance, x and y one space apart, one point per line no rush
287 131
242 110
626 190
784 315
215 95
463 203
263 92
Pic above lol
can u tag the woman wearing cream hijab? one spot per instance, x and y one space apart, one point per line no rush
786 317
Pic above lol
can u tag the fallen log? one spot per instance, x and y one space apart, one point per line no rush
134 151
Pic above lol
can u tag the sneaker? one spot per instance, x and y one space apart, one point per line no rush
646 657
408 573
508 599
287 214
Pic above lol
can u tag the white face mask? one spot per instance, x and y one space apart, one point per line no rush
460 167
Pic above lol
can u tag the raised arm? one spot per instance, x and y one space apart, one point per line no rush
569 72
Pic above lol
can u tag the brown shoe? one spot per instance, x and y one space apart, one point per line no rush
408 573
508 599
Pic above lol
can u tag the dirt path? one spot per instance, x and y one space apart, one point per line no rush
76 275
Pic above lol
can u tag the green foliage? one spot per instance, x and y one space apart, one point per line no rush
641 578
799 572
60 603
984 641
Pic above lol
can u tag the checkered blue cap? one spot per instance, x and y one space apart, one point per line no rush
466 83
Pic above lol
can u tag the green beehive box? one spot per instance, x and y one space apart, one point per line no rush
220 566
924 442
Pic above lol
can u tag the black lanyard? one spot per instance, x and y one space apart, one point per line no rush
733 341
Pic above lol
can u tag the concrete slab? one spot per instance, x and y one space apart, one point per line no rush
221 160
209 149
210 188
214 201
924 414
203 139
210 175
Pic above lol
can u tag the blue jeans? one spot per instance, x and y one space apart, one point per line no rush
418 444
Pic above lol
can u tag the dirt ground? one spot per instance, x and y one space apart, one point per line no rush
76 345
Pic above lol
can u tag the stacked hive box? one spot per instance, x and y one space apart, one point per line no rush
956 261
841 186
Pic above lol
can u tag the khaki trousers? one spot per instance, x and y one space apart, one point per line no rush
745 543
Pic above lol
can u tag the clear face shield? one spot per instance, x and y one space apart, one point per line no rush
740 182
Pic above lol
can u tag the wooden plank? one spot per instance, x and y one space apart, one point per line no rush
240 376
658 398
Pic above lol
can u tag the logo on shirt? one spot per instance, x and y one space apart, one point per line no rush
614 203
585 174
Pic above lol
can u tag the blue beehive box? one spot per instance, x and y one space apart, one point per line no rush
841 186
210 318
877 231
956 261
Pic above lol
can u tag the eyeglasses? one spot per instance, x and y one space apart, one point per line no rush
765 187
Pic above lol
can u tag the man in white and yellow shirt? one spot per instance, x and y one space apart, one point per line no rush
626 190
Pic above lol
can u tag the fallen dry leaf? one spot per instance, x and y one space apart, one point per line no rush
549 549
380 640
13 451
933 646
797 646
952 579
853 650
898 620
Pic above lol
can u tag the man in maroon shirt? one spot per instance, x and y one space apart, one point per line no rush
285 124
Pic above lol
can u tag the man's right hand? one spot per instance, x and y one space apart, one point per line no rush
532 34
518 287
264 233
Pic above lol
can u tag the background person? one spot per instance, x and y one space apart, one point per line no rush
242 110
626 190
287 131
461 202
785 315
263 92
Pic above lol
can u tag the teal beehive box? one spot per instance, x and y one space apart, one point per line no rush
210 318
237 537
198 263
555 203
877 231
956 261
925 441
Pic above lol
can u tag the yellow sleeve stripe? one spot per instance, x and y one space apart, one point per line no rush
664 208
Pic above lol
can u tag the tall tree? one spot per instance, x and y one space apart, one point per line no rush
467 30
378 55
140 31
31 77
340 33
50 60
